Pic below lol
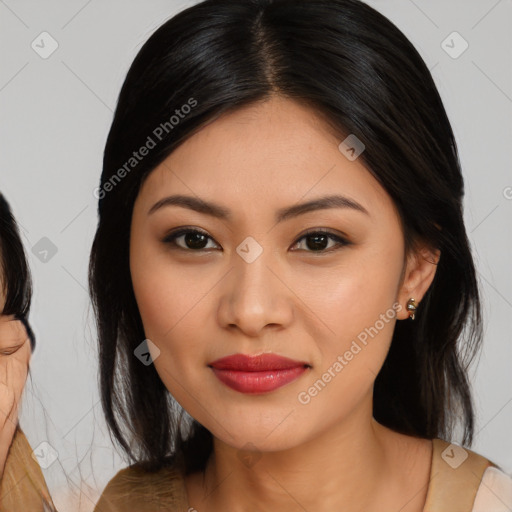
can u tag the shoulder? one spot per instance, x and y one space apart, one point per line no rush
495 492
463 479
135 488
23 484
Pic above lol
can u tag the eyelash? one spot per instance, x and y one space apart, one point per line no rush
171 239
10 350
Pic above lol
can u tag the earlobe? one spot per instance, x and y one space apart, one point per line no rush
419 274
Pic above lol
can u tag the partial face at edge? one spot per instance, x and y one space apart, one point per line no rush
15 353
13 335
310 299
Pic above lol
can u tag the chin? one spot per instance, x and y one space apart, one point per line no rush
270 435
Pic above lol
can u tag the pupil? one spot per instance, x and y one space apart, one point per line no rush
191 239
316 244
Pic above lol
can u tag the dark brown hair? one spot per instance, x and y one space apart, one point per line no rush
15 272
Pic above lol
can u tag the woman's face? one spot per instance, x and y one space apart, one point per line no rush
14 358
254 283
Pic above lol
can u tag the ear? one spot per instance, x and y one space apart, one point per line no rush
419 272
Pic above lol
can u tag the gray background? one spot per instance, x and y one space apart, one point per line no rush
56 113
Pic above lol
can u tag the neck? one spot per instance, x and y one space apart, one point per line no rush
351 466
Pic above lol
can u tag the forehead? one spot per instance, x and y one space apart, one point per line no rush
277 151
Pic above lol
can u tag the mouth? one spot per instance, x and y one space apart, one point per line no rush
257 374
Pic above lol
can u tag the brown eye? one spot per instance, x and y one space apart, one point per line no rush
317 241
189 239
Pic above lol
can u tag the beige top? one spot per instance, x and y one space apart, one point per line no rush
22 487
455 482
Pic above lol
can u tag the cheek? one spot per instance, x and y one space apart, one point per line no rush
156 286
172 303
356 302
168 298
168 318
353 295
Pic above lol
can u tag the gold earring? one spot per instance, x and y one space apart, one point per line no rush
411 307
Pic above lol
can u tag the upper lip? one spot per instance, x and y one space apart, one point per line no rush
255 363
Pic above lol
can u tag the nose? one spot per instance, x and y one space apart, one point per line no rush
254 295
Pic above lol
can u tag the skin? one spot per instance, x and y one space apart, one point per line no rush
14 359
293 301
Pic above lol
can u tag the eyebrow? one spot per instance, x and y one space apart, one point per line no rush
218 211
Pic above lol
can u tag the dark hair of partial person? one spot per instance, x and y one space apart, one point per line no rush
15 272
358 71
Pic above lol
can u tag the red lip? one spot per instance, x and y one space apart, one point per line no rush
257 374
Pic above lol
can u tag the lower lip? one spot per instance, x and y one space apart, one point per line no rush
258 382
